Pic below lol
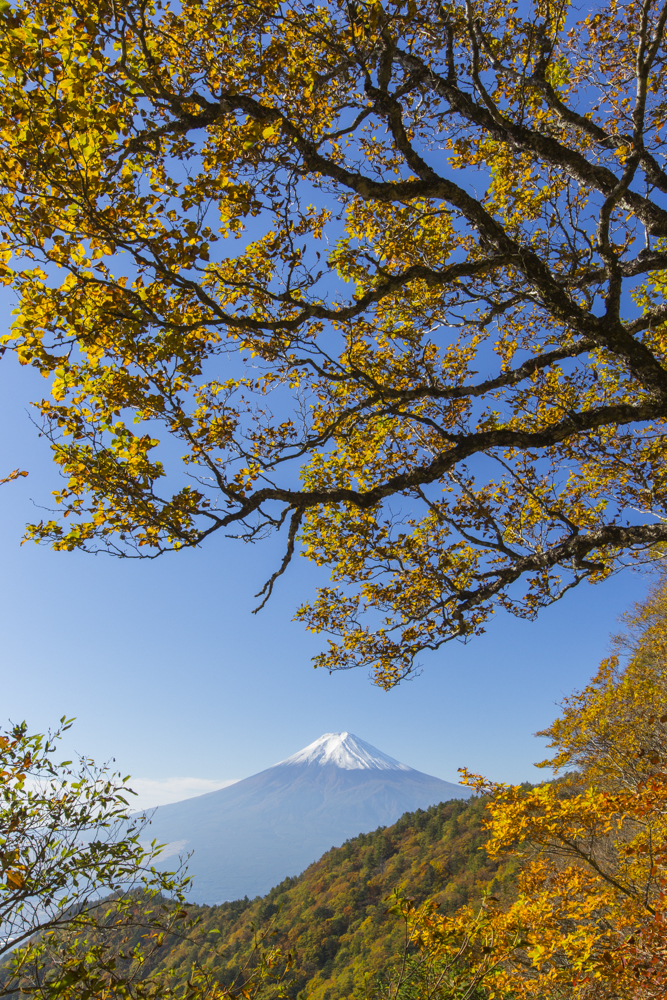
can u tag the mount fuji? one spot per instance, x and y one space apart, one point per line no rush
249 836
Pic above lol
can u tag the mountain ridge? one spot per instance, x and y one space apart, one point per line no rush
333 917
251 835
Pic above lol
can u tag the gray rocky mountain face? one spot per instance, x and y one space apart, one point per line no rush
248 837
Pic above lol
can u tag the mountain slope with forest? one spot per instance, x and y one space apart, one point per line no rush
247 837
333 917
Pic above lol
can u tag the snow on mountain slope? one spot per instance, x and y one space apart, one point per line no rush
347 751
248 837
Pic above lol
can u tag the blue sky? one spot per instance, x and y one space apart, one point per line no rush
168 672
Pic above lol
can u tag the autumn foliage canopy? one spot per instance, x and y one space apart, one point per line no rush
386 277
588 920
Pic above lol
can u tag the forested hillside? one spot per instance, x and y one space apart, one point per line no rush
333 917
244 839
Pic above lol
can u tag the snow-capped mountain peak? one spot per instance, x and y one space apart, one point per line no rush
249 836
347 751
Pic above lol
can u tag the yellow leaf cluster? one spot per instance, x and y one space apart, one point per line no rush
390 276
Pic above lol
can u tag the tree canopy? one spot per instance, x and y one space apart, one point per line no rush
67 838
84 910
71 862
588 921
388 277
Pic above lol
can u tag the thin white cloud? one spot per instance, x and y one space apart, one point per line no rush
153 792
